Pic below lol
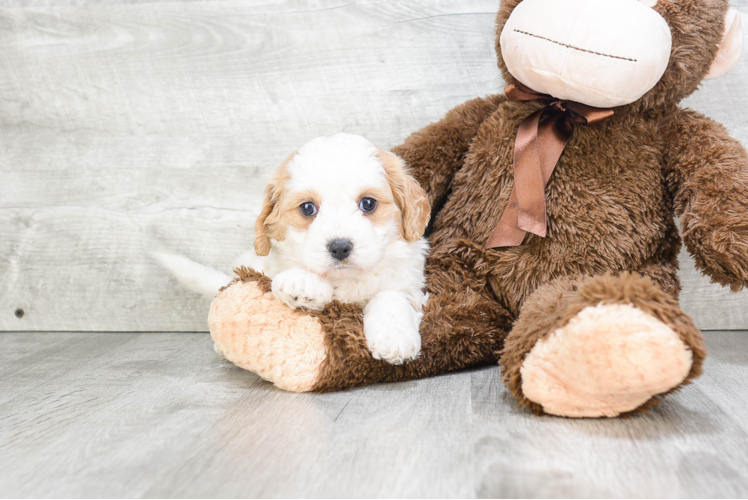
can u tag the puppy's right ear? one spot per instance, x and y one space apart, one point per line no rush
262 241
273 193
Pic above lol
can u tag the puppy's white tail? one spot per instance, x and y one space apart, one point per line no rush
195 277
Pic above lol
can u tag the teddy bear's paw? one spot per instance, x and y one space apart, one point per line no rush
607 360
301 289
257 332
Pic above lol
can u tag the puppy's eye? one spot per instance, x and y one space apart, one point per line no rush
367 205
308 209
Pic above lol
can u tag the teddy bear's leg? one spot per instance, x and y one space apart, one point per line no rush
600 347
326 350
463 325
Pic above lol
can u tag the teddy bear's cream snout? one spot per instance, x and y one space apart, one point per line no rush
602 54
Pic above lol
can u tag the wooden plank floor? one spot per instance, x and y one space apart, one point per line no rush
160 415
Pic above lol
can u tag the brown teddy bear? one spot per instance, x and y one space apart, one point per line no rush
554 245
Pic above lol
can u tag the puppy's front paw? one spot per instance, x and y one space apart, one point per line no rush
301 289
391 329
393 343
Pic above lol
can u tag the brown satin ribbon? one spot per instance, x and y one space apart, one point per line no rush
541 138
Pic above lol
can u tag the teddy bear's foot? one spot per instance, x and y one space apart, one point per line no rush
600 347
259 333
607 360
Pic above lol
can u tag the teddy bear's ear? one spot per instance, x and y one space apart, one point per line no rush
410 197
730 48
273 192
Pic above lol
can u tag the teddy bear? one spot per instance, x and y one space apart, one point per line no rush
553 237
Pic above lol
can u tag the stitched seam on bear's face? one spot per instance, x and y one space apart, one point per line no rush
573 47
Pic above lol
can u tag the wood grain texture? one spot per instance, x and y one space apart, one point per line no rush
161 415
127 125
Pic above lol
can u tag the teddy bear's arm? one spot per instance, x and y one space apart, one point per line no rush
436 152
707 172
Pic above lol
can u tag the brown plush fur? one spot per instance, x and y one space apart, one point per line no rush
465 328
611 204
707 174
244 274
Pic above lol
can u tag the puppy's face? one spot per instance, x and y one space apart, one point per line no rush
337 203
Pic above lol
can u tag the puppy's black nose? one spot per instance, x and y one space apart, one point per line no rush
340 249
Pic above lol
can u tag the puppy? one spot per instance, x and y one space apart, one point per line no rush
343 220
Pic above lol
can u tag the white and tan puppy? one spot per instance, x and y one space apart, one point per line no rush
341 220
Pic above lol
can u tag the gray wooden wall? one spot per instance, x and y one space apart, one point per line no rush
131 124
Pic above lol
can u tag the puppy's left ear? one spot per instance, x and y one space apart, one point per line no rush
730 48
409 196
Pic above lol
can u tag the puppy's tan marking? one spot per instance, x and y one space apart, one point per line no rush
286 213
386 211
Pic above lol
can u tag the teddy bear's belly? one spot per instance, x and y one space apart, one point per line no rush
607 210
582 221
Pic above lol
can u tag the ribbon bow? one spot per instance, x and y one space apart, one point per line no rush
541 138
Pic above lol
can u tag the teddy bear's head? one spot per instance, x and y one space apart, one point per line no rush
609 53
